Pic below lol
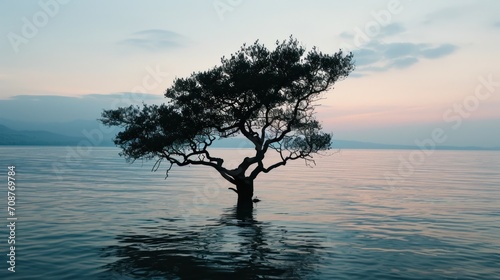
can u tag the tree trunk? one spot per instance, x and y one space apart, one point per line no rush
245 193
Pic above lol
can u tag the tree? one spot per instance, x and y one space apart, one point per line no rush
267 96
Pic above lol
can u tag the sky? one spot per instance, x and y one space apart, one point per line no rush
421 66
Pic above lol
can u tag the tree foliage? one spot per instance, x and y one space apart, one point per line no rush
267 96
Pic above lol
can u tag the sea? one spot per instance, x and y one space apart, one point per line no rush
87 213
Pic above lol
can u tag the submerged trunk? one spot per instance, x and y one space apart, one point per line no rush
245 193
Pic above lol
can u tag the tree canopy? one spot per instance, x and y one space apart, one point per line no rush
266 96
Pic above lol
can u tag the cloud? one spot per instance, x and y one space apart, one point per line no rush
377 56
346 35
366 57
374 54
404 62
392 29
384 31
155 40
496 24
396 50
439 51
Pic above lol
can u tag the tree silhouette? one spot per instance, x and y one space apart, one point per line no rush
267 96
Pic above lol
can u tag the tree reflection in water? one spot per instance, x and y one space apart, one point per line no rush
234 246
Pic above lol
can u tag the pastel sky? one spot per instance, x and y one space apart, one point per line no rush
420 65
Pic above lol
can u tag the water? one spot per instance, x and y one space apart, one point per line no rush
86 214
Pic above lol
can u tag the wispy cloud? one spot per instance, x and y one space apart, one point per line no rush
392 29
155 40
402 62
439 51
385 31
496 24
379 57
346 35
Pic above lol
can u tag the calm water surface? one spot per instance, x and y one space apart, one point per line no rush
359 214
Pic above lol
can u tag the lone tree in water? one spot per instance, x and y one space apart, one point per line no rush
267 96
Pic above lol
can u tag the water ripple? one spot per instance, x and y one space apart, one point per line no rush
105 219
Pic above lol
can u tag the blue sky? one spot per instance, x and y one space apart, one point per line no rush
421 65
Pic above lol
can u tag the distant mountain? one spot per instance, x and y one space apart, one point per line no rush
344 144
52 133
16 137
9 136
73 128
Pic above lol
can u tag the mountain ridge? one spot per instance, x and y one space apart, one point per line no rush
12 137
